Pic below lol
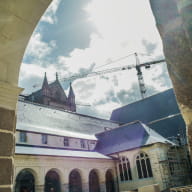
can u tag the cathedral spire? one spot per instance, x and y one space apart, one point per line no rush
71 92
71 99
45 82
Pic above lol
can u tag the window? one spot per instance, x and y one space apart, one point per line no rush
66 141
44 139
125 169
23 137
143 166
82 143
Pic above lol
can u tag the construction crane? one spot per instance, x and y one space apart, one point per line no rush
138 67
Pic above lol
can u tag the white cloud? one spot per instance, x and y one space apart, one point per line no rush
33 70
38 49
49 16
123 27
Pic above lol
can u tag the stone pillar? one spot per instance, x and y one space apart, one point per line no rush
65 182
85 180
174 26
102 180
39 188
18 20
8 99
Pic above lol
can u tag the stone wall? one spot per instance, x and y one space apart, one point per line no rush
173 20
40 165
18 20
160 168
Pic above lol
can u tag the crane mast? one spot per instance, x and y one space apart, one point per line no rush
140 77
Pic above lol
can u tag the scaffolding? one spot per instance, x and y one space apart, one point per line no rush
175 167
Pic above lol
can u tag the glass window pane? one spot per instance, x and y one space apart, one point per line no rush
44 139
82 143
144 169
125 171
139 169
149 167
129 171
121 172
66 141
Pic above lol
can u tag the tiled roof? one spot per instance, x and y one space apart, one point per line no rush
24 150
127 137
38 118
159 111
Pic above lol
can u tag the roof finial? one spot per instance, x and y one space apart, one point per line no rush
56 76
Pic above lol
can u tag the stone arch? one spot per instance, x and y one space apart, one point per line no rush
25 179
75 181
94 181
19 19
52 181
109 181
17 25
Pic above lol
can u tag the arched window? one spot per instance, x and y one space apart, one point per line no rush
52 182
143 166
93 182
25 181
125 169
110 184
75 183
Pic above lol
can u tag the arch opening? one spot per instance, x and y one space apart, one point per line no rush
110 183
94 182
75 181
25 182
52 182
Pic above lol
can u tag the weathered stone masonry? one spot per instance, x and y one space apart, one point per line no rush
173 19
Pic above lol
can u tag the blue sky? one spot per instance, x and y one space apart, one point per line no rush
80 36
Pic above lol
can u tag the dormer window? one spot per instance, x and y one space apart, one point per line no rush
66 141
82 143
23 137
44 139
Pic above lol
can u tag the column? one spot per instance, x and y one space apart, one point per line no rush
8 99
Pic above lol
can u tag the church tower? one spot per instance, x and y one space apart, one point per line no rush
71 99
45 86
53 95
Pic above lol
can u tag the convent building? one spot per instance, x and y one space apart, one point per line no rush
60 150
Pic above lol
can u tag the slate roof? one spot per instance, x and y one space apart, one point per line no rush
23 150
159 111
43 119
126 137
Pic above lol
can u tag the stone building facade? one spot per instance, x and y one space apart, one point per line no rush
20 20
67 152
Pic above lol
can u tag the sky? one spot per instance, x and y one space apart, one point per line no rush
75 37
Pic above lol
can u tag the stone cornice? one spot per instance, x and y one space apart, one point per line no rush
9 95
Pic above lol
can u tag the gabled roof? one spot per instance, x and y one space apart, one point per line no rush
159 111
127 137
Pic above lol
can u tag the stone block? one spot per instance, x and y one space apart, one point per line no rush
7 189
6 175
149 188
7 119
7 144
